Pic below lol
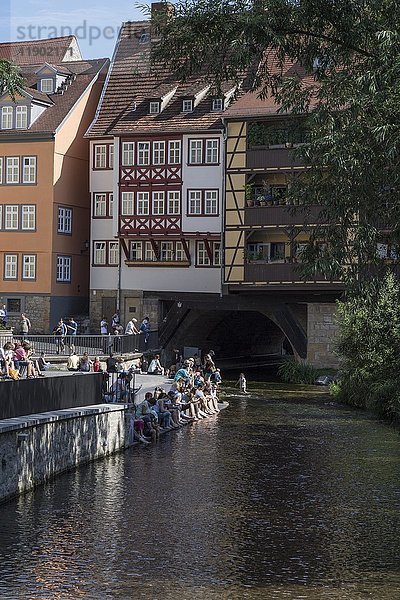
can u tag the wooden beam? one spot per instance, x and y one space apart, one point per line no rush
125 248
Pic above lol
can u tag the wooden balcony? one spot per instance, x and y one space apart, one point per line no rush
279 158
283 274
282 215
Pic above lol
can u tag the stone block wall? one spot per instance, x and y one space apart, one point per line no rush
37 308
96 307
34 449
321 334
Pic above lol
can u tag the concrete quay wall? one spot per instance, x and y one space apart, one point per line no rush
35 448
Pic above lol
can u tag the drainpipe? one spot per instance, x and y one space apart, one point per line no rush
224 139
119 277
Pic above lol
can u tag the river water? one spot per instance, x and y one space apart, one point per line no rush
272 499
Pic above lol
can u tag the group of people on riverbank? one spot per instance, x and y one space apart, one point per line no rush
17 358
192 396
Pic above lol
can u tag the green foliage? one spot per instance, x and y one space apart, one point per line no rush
292 371
11 80
369 344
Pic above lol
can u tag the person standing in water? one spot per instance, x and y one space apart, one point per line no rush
242 383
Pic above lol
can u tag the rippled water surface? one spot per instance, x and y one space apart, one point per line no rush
272 499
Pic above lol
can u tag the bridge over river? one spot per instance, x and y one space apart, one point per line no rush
279 497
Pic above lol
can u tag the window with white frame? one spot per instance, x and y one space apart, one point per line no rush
1 169
217 104
128 154
99 253
64 268
158 153
149 254
187 105
21 117
167 251
211 202
174 152
29 266
111 156
28 217
47 86
143 153
212 147
158 203
203 260
113 253
7 117
127 199
194 206
64 220
136 250
174 203
1 216
111 204
154 108
29 169
195 152
217 254
100 156
11 216
143 203
10 266
100 205
180 254
12 169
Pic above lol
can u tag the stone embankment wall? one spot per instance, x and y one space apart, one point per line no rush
321 333
35 448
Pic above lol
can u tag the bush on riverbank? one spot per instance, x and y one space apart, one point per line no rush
292 371
369 346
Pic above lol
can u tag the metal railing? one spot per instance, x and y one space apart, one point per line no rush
94 345
120 387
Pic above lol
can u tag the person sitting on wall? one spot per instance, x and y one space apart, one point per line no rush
4 365
20 359
43 364
73 362
111 364
96 365
85 364
155 367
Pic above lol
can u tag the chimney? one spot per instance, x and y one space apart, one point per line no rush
160 12
159 8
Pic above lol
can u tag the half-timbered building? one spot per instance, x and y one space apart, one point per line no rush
157 169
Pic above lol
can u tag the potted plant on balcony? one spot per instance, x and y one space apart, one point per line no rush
248 194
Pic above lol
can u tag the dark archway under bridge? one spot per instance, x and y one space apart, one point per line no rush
249 325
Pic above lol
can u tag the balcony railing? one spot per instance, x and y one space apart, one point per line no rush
279 272
282 215
272 158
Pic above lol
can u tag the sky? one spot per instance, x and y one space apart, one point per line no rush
94 22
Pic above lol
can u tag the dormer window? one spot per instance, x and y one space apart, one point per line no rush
7 117
47 86
187 106
217 105
21 117
154 108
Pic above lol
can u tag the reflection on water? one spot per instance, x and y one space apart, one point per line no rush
269 500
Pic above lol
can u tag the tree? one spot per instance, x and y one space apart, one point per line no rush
11 80
350 102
